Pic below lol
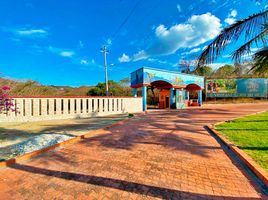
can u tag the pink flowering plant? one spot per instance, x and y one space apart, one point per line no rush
6 103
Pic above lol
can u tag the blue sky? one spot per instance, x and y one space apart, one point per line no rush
57 42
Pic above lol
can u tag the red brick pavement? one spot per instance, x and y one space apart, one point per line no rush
162 155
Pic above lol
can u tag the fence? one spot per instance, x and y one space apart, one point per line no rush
49 108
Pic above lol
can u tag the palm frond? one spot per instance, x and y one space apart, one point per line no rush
251 26
261 61
245 48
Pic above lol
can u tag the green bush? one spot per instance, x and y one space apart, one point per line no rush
130 115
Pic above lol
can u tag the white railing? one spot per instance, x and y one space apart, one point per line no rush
49 108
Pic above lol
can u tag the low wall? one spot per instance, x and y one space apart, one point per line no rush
49 108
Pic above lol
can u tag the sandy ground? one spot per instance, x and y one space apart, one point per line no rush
14 133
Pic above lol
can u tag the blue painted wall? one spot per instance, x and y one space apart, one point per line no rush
147 75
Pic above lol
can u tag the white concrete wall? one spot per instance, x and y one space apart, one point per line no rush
49 108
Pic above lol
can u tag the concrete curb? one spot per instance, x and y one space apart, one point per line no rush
248 161
30 155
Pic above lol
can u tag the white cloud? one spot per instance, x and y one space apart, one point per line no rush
108 42
61 52
179 8
195 50
216 66
230 20
233 13
152 60
84 62
141 55
227 56
255 49
158 61
31 32
204 47
66 53
231 17
197 30
124 58
81 44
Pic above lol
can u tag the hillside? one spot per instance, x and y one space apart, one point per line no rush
32 88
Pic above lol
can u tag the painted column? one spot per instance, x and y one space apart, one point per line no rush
187 95
134 92
200 97
144 97
171 97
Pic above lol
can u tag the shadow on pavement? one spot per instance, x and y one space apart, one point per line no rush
123 185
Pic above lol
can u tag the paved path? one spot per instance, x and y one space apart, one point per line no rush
162 155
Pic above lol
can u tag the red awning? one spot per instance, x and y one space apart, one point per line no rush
161 85
192 87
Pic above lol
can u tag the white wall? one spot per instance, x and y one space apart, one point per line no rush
49 108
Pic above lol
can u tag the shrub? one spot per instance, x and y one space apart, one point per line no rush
130 115
6 103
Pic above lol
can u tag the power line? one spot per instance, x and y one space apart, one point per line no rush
126 19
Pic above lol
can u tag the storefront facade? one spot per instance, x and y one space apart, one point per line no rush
174 87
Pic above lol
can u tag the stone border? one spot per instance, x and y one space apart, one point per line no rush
248 161
33 154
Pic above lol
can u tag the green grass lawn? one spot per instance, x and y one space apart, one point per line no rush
251 135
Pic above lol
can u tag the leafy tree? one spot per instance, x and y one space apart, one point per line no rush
238 69
96 91
204 71
115 89
261 62
253 28
225 71
125 82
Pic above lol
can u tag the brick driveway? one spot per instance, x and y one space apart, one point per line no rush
162 155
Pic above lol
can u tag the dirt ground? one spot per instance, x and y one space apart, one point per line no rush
13 133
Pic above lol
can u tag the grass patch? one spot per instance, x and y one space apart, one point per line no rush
251 135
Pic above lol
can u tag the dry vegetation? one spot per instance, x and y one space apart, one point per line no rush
32 88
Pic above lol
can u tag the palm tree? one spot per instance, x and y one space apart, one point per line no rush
255 30
261 61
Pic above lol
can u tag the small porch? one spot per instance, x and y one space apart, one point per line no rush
174 89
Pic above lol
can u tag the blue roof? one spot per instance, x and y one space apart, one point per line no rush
146 75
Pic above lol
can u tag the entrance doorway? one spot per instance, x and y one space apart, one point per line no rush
164 99
167 102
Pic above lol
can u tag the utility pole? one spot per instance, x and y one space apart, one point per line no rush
104 50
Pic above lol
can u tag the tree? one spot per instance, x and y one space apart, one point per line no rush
254 28
205 71
186 65
115 89
225 71
125 82
260 65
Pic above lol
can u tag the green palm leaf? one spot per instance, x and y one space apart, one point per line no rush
249 27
